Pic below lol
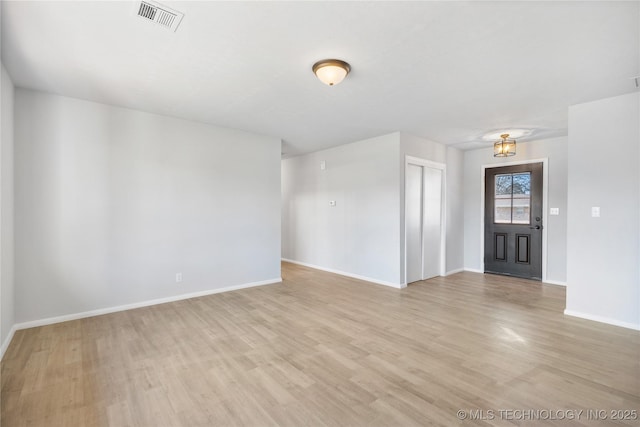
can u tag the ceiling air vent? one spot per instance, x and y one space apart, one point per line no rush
159 14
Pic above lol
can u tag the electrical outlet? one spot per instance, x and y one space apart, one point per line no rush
332 203
178 277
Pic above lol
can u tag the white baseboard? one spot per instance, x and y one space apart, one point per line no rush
344 273
602 319
555 282
7 341
454 271
100 311
473 270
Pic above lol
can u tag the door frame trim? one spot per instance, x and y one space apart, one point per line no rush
545 196
443 210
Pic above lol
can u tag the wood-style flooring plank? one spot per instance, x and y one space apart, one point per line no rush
321 349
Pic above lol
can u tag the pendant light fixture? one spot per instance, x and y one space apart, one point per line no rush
505 147
331 71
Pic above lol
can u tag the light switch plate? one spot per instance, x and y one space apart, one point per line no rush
323 165
332 202
554 211
595 211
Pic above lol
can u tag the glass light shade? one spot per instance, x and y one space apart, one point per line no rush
331 71
505 147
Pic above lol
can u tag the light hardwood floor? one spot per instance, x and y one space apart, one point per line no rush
326 350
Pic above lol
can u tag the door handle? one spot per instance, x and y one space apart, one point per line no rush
537 227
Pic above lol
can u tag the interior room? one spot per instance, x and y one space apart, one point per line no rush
319 213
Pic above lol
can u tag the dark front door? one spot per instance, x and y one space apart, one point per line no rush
513 221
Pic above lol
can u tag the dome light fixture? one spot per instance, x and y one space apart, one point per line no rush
505 147
331 71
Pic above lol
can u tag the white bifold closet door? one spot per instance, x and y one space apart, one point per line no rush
423 219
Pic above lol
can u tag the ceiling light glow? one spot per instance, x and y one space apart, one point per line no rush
331 71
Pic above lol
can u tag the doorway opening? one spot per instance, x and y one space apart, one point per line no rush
513 231
424 219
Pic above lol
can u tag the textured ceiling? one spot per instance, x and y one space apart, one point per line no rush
447 71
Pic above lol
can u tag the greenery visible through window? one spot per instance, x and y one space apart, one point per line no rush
512 201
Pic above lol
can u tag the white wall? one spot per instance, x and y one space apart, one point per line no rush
360 235
363 235
111 203
603 253
556 151
412 145
455 209
7 301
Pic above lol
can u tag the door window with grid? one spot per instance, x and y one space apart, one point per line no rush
512 201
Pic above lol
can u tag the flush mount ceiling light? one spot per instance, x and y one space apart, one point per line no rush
505 147
331 71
